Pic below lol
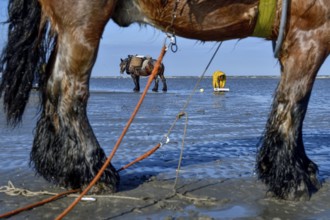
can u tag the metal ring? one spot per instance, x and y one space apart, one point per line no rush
174 48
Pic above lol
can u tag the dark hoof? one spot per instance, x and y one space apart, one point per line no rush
136 90
312 172
301 192
102 188
155 90
164 90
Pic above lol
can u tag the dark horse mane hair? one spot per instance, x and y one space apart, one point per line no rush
19 67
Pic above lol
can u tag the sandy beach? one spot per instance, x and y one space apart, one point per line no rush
216 179
147 197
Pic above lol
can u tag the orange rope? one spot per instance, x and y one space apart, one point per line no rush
14 212
142 157
107 162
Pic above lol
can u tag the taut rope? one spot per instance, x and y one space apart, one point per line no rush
179 115
107 162
14 191
164 140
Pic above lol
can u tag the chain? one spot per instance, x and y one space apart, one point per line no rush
170 31
174 15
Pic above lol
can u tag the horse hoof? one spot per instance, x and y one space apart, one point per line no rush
296 195
312 171
102 188
155 90
302 192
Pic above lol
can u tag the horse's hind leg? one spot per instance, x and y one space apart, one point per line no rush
282 162
65 149
164 84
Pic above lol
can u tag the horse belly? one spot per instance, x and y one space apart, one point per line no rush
206 20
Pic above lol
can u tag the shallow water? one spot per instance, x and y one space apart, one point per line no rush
222 131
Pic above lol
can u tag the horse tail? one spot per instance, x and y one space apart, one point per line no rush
23 57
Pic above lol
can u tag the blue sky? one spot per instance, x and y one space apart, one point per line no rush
250 56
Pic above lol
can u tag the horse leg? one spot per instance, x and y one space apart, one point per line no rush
163 79
136 80
138 83
282 162
164 84
155 89
65 149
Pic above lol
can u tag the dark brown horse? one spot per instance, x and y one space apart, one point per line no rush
144 68
65 34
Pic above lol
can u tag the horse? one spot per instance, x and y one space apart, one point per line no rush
143 69
64 35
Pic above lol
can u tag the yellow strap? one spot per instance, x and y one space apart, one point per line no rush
266 16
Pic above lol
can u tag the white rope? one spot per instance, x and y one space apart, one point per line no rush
11 190
183 113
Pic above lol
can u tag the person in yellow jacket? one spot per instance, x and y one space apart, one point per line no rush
219 79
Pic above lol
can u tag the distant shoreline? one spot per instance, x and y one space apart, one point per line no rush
228 76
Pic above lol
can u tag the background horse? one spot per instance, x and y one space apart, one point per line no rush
143 70
65 149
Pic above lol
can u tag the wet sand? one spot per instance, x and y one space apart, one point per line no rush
148 197
216 179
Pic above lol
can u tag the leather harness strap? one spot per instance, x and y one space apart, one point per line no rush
266 17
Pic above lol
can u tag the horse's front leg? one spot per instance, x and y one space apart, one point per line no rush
65 149
155 89
162 77
282 162
136 80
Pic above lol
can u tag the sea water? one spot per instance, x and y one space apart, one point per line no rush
218 132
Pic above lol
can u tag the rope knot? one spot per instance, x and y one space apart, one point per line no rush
180 115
